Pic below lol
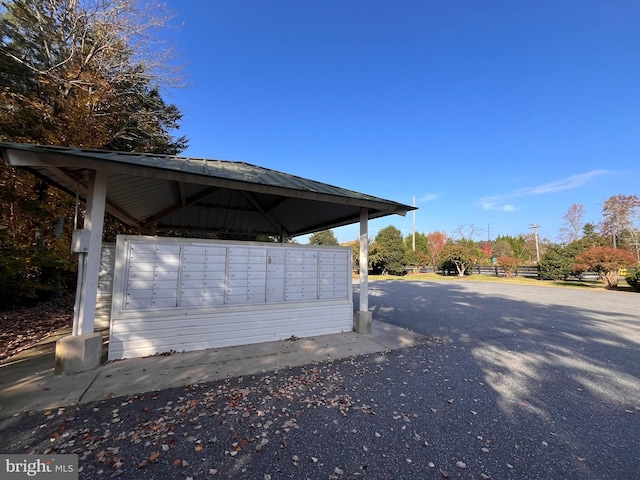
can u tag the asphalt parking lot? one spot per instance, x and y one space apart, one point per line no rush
517 382
558 363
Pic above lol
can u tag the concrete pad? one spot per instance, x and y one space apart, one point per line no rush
78 353
28 382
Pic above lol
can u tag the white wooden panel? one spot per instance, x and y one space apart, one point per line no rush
204 331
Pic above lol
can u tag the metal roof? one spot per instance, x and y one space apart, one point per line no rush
195 194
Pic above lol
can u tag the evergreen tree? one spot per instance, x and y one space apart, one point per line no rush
325 237
390 247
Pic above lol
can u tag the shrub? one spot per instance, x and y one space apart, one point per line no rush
509 265
558 261
633 279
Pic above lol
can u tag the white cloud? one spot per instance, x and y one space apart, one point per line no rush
496 202
427 198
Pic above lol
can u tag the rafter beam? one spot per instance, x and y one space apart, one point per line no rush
181 204
270 218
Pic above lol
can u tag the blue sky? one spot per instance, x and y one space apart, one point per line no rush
493 115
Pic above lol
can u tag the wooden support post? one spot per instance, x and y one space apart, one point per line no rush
85 312
362 321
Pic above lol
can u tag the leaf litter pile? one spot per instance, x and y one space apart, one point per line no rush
23 327
397 415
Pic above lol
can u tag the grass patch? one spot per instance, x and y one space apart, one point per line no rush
435 277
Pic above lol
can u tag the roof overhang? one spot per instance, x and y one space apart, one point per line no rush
192 194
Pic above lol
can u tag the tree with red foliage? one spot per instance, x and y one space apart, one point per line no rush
437 241
509 265
606 262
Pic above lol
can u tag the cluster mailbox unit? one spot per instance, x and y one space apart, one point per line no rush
176 294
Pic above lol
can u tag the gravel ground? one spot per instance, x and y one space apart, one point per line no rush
518 383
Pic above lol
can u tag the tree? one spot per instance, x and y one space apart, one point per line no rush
390 246
619 213
606 262
592 238
456 257
573 223
509 265
633 279
501 248
84 74
355 253
518 246
558 262
437 241
422 242
325 237
416 259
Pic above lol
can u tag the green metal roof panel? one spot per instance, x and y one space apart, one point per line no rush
173 192
232 170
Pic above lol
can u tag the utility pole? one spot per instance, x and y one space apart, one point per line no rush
413 229
535 227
